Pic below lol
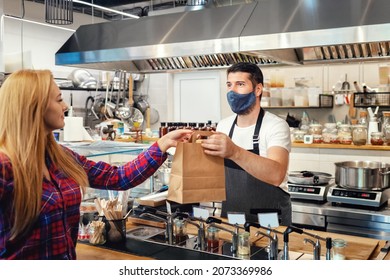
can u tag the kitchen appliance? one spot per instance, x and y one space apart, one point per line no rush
309 185
358 198
312 193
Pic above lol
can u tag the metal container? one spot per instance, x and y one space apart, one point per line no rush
363 175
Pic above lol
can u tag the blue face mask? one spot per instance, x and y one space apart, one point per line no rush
239 103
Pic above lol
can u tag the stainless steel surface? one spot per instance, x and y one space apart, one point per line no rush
359 222
312 220
358 197
265 32
307 192
309 177
363 175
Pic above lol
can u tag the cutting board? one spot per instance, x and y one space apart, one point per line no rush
140 221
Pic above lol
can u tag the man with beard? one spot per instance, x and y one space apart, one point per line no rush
255 145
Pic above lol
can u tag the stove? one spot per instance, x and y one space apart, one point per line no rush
312 193
366 199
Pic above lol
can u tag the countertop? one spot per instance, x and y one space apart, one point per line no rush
341 146
359 248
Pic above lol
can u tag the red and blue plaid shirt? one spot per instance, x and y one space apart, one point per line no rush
54 234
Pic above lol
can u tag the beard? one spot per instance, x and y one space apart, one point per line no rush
249 110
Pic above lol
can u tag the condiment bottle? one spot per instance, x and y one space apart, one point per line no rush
244 247
212 239
163 129
338 252
180 231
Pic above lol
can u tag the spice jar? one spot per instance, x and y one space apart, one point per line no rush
212 239
338 252
377 138
315 129
344 134
329 133
244 246
359 135
299 136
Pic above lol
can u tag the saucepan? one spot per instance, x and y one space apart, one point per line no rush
309 177
363 175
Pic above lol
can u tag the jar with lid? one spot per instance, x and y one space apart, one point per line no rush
338 249
386 127
329 133
317 139
244 247
315 128
299 136
377 138
212 239
359 134
344 134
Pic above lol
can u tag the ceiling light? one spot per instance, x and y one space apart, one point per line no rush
105 9
59 12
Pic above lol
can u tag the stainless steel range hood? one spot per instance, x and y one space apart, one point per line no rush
268 32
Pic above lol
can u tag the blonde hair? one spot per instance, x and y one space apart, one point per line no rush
24 97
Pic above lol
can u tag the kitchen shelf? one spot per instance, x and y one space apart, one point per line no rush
341 146
89 89
364 99
325 101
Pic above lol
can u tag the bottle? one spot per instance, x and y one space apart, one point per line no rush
163 129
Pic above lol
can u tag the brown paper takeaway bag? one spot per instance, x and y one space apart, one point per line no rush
195 176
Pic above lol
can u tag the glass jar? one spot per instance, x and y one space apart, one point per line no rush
344 134
315 128
244 246
180 231
359 135
329 133
386 127
338 252
377 138
317 139
212 239
299 136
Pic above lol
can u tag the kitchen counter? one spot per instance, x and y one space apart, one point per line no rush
359 248
352 221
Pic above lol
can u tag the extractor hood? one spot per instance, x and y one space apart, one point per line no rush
267 32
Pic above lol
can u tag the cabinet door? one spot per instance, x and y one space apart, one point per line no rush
197 97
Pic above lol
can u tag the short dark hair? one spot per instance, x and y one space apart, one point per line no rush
256 76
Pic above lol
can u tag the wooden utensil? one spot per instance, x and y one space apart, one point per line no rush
131 100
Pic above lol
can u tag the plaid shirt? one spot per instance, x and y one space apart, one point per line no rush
54 234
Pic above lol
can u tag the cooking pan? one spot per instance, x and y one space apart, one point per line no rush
309 177
362 175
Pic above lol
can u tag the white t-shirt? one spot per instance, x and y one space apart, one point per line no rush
274 131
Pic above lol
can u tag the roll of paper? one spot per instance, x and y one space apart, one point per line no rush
73 129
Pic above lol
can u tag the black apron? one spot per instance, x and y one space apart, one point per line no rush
245 193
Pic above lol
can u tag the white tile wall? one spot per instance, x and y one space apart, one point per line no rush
322 160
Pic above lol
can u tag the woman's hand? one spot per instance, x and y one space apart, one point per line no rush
172 138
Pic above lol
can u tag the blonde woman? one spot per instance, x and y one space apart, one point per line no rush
41 182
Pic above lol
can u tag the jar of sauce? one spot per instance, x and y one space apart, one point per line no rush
359 134
377 138
212 239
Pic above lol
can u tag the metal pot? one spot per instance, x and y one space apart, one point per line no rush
363 175
309 177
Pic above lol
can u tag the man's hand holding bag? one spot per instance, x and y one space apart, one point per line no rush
195 176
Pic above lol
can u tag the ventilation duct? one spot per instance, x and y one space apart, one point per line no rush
268 32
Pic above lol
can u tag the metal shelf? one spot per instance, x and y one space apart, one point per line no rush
368 99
